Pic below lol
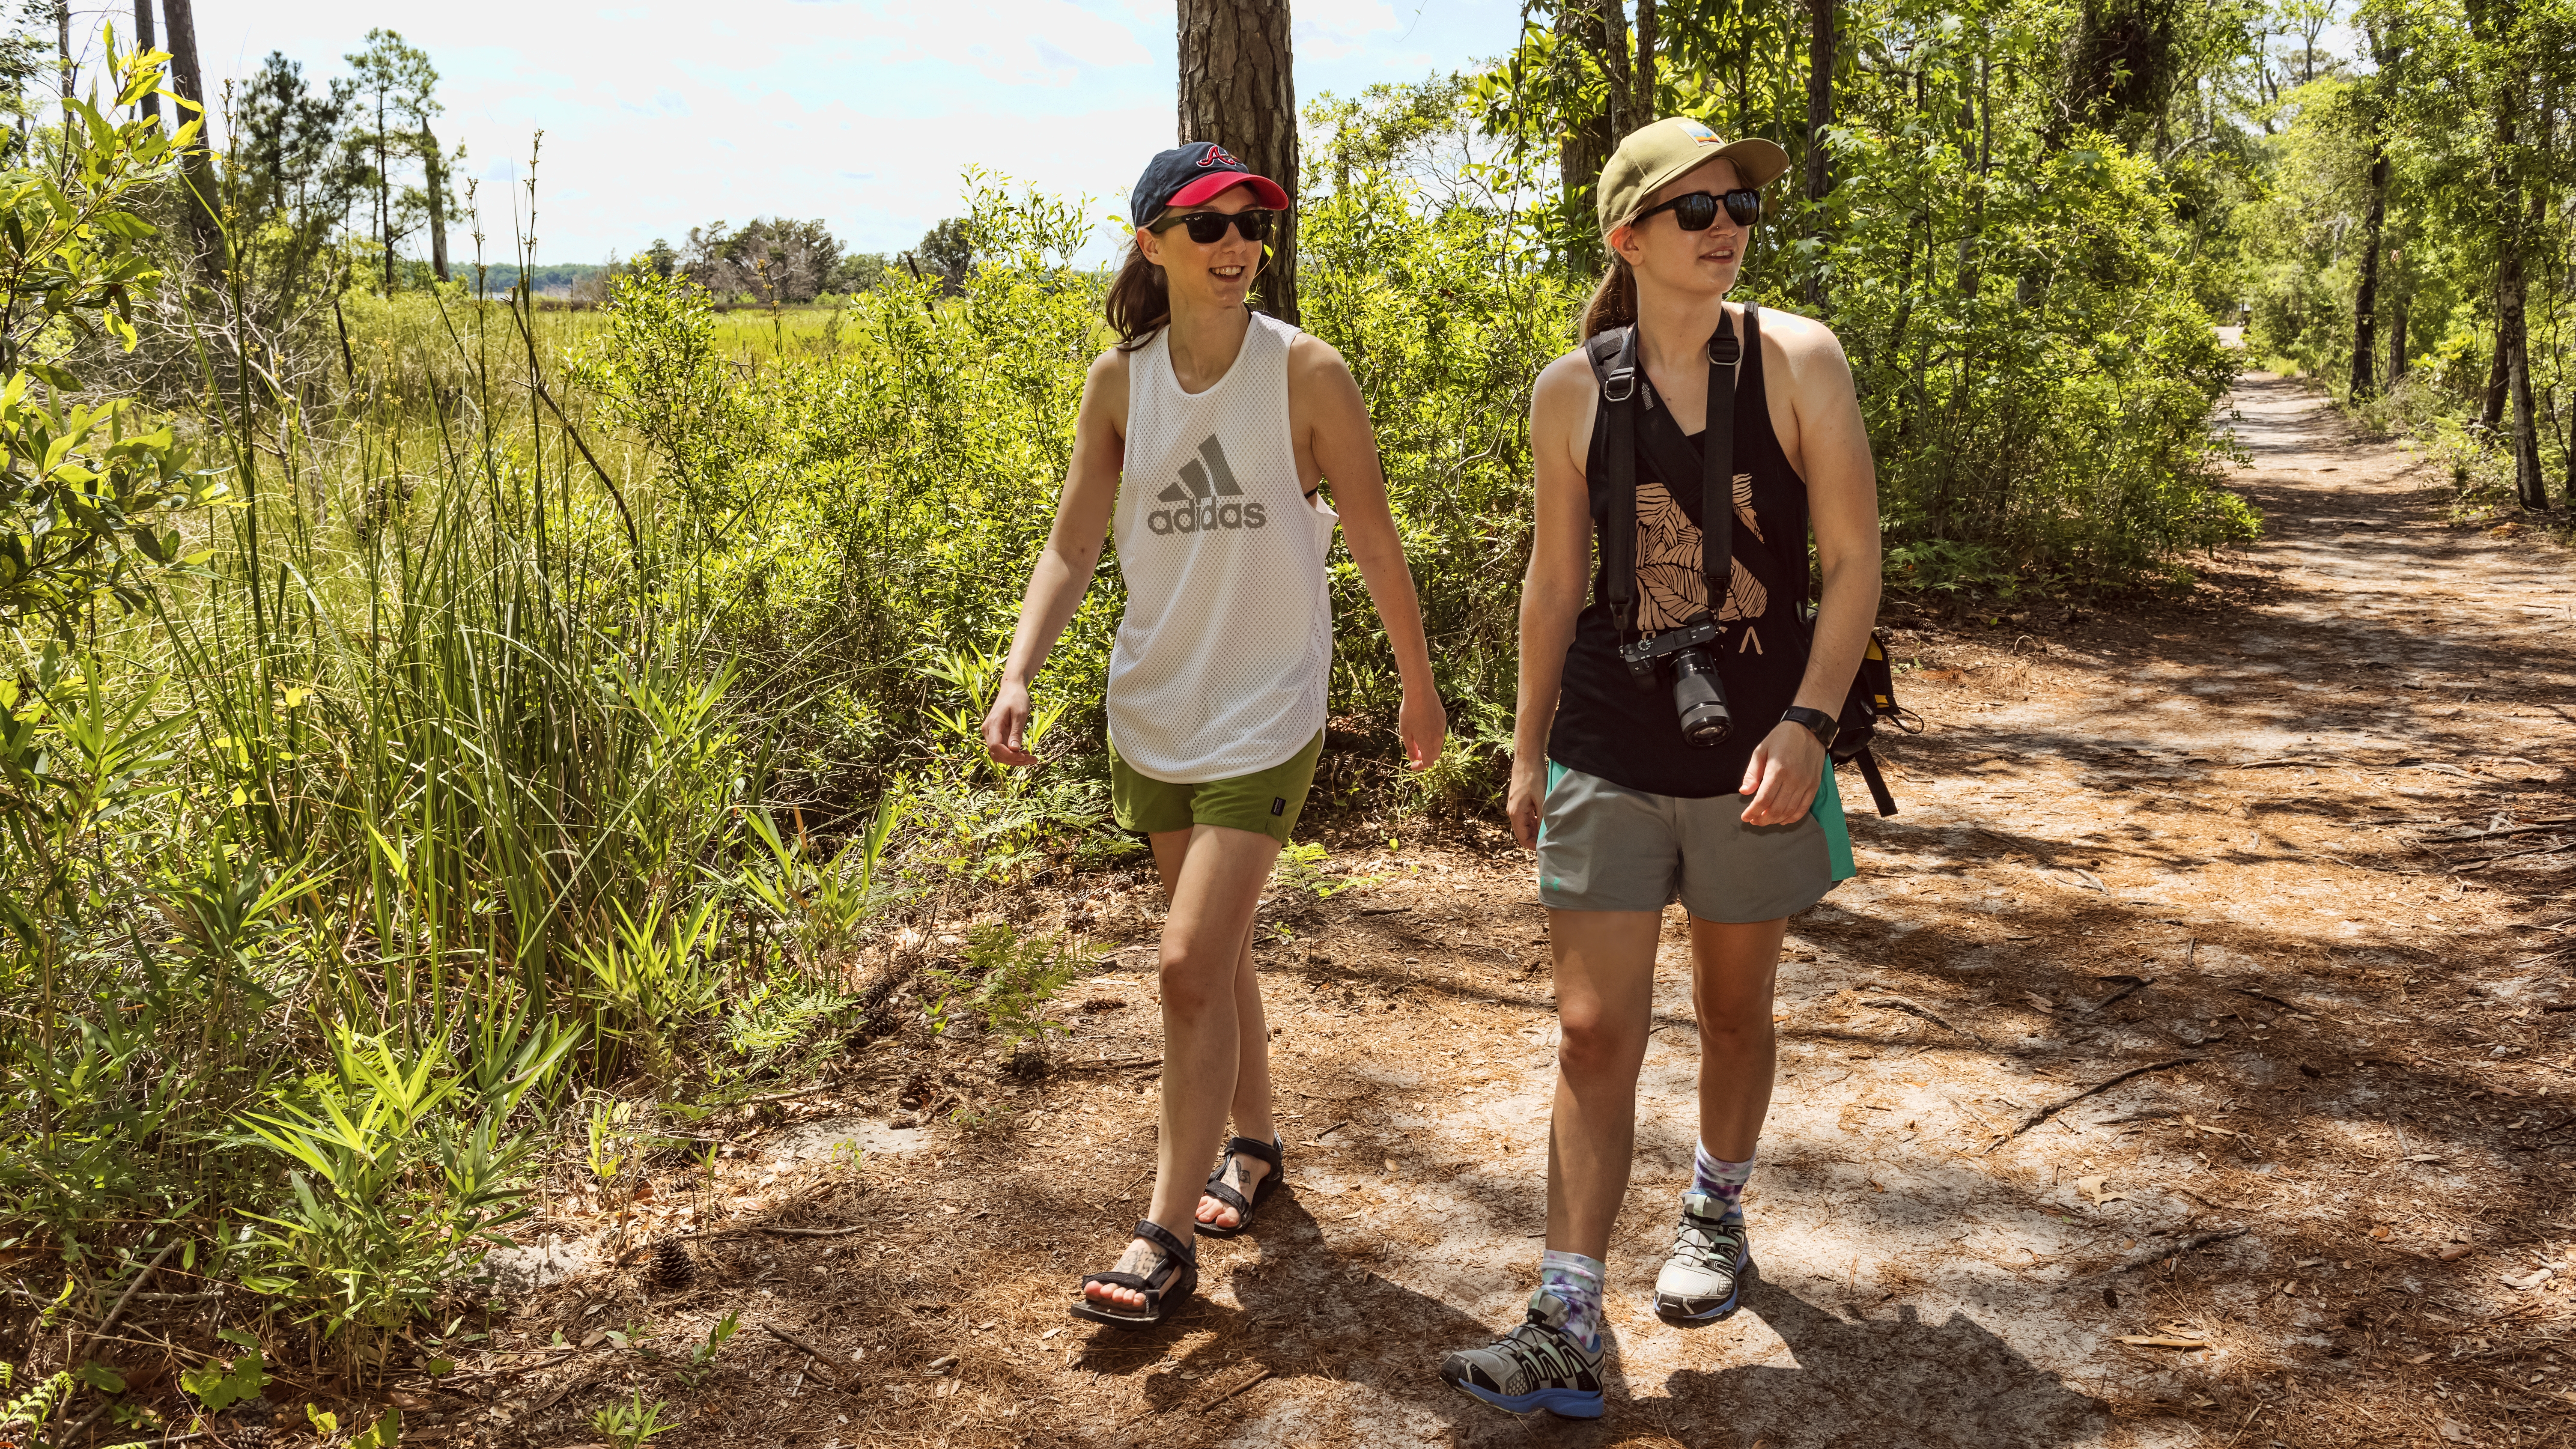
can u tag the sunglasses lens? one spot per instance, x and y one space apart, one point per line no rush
1207 228
1744 207
1695 211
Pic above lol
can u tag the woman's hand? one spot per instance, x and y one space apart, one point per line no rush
1782 775
1424 723
1527 801
1005 724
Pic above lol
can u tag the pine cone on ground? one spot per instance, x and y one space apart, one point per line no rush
673 1269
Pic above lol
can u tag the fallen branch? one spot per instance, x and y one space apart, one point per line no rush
1260 1372
785 1096
844 1372
2139 983
809 1232
1106 1065
131 1289
2157 1255
2285 1005
1899 1003
2542 828
2484 861
2053 1108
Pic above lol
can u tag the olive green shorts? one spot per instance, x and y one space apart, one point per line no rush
1265 802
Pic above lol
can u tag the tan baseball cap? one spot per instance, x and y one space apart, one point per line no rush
1655 154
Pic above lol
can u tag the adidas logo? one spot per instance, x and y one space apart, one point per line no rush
1200 498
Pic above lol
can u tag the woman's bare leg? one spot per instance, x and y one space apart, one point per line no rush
1214 876
1732 969
1605 988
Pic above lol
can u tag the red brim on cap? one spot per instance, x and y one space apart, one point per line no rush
1264 190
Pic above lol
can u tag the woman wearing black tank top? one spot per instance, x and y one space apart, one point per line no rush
1626 816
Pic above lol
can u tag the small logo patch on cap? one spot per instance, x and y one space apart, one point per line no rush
1219 153
1702 134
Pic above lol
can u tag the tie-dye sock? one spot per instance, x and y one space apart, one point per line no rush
1722 1180
1576 1281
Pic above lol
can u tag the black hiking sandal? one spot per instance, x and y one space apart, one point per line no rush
1166 1288
1270 1152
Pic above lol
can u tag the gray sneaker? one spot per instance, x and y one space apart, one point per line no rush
1537 1365
1703 1279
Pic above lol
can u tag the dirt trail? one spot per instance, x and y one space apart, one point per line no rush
2209 838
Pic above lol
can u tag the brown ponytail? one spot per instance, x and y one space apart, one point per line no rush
1140 301
1614 302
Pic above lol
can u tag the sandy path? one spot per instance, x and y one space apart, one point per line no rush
2240 799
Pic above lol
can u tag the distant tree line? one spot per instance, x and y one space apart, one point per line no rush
784 260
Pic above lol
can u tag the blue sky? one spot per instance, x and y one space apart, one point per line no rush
660 115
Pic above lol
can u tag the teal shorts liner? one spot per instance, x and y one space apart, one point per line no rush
1605 847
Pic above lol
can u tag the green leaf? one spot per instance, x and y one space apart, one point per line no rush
385 1433
102 1378
236 1337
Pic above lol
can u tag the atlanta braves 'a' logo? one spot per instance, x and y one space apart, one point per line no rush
1219 153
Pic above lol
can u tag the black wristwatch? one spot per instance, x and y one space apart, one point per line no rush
1816 722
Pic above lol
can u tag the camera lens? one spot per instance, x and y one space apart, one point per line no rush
1701 701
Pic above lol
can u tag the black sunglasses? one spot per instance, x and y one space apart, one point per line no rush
1207 228
1698 210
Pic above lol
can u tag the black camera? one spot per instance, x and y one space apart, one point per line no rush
1698 698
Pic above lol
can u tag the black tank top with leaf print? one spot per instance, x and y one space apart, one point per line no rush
1608 727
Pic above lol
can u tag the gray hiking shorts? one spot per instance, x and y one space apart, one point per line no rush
1605 847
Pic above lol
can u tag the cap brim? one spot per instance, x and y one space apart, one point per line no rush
1264 190
1758 163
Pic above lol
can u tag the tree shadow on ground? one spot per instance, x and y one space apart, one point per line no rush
1877 1381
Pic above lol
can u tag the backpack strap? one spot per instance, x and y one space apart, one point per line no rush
1717 466
1614 361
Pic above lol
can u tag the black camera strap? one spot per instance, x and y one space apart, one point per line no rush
1619 374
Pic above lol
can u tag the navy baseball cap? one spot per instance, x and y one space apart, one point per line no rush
1188 175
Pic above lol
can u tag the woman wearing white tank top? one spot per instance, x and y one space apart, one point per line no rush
1204 438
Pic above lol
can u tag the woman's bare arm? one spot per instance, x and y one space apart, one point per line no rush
1830 450
1072 551
1560 569
1344 448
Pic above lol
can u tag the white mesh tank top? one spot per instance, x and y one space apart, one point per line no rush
1222 657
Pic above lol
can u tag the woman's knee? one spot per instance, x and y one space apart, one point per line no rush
1591 1042
1735 1035
1193 982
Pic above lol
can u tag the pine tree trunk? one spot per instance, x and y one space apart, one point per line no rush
1641 107
2365 297
63 49
143 40
2513 334
2396 339
1237 90
434 181
1582 152
1821 46
385 195
1613 50
2491 412
180 18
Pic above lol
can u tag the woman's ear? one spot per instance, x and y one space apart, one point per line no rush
1623 240
1149 245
